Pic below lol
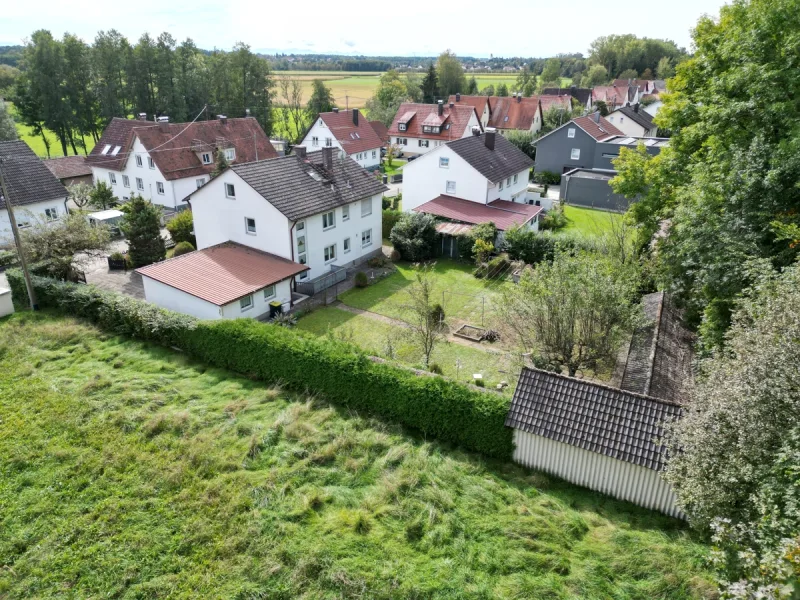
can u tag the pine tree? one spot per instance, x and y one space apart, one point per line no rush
142 227
430 86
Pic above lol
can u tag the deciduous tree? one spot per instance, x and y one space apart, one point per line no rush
451 75
102 197
419 306
8 129
321 99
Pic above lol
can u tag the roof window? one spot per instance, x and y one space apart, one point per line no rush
106 149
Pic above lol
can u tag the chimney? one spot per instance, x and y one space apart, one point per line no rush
355 117
476 130
336 110
223 119
327 158
636 107
488 139
142 117
441 107
163 124
519 97
452 105
596 117
458 97
247 112
300 151
513 94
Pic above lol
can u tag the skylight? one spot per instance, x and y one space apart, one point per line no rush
116 150
106 149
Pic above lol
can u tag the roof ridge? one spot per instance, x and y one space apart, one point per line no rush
603 386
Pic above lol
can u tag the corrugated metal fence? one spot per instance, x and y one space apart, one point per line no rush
617 478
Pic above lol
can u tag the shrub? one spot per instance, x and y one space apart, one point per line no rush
117 256
336 370
287 320
437 313
394 255
361 280
182 248
377 261
547 177
435 368
414 236
486 232
180 228
554 218
8 258
390 219
482 250
386 203
499 265
142 226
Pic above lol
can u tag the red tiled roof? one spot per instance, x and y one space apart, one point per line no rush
512 113
610 93
456 118
381 130
477 102
644 85
68 166
502 213
174 150
600 130
562 102
353 138
222 273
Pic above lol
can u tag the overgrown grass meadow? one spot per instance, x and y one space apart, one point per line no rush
128 470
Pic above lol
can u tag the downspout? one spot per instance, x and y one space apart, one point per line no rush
293 286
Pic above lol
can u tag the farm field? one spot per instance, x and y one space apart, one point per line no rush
129 470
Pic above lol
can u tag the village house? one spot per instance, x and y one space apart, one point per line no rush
70 170
614 96
582 96
572 146
350 133
633 121
164 162
420 128
273 230
507 113
479 103
36 194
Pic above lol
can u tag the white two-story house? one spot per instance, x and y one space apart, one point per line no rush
420 128
164 162
265 229
348 131
36 194
473 180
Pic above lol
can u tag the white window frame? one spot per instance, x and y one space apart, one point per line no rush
138 160
329 253
140 184
501 184
450 188
328 220
444 162
575 154
401 127
230 190
246 303
51 214
301 258
571 132
346 245
126 181
424 144
508 182
160 187
366 203
300 226
315 140
301 244
328 142
150 163
515 177
269 292
247 229
366 238
346 212
112 178
374 153
230 153
200 182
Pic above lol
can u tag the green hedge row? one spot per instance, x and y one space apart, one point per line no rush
337 371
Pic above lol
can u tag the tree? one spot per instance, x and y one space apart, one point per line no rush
502 90
8 79
664 69
596 75
488 90
522 140
551 74
704 182
472 86
628 74
220 164
575 310
430 86
414 235
424 327
62 246
618 53
321 100
601 107
647 74
293 116
102 197
735 456
141 225
181 228
451 75
526 80
80 194
388 97
8 129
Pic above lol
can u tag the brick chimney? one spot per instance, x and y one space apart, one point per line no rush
519 97
355 117
300 151
458 97
488 138
327 158
223 119
441 107
336 110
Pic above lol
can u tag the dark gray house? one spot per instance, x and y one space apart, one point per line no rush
572 146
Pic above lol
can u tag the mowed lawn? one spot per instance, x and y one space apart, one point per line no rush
37 144
589 221
390 341
127 470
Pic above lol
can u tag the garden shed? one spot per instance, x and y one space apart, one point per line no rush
599 437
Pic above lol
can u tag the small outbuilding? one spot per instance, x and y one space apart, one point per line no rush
599 437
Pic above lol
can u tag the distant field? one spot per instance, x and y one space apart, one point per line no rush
37 144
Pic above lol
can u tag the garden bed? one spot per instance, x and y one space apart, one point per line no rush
470 332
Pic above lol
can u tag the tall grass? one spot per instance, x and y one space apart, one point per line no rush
128 470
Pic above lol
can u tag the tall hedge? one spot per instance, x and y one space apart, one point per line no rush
338 371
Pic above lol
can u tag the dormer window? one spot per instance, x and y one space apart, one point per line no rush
431 129
230 154
206 158
401 126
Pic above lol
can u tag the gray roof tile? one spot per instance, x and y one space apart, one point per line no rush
27 178
591 416
505 160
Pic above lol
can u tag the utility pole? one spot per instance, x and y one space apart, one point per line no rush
17 240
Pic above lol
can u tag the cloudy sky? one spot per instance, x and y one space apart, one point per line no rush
417 27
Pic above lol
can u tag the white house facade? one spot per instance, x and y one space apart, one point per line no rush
633 121
348 131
